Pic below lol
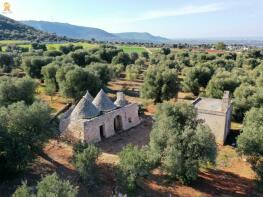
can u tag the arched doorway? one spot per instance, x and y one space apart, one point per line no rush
118 124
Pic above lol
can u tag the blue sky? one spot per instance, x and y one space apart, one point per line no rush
169 18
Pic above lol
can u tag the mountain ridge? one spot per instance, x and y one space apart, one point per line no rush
81 32
14 30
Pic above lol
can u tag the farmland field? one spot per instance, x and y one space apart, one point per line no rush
55 46
130 49
18 42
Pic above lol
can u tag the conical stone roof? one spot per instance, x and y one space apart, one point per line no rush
103 103
88 96
84 110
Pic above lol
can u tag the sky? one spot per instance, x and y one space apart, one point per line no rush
168 18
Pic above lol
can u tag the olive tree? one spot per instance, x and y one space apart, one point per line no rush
160 84
179 143
6 62
16 89
50 185
102 71
85 157
23 132
250 141
132 164
49 74
221 81
74 81
122 58
33 65
132 72
196 78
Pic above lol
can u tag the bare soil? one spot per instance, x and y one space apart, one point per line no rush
232 175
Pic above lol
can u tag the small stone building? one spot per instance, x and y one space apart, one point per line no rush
216 113
92 120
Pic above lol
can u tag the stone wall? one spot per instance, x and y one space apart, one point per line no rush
90 130
217 123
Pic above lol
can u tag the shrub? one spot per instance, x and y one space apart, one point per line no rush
132 164
50 185
23 191
85 161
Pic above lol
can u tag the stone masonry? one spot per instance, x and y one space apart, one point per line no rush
92 120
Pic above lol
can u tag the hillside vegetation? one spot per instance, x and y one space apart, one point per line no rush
88 33
13 30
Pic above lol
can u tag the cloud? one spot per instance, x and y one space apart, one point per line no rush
128 20
187 10
156 14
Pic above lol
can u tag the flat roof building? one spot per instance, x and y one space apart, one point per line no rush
216 113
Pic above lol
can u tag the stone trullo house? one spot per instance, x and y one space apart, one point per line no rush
92 120
216 113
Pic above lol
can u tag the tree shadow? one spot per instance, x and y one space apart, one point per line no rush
42 166
214 183
231 139
218 183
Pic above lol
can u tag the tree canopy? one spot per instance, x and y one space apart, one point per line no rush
50 185
23 131
179 143
250 141
160 84
13 90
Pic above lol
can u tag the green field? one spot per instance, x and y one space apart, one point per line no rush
18 42
55 46
130 49
85 45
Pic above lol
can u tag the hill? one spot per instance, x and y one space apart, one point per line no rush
14 30
71 31
80 32
141 37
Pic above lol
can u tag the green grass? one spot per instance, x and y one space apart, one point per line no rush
18 42
126 48
85 45
130 49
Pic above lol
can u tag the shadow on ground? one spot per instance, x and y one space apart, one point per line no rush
138 135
